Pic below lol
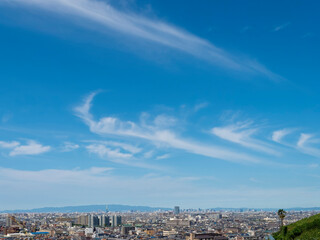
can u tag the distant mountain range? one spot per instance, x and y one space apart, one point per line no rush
267 209
88 208
126 208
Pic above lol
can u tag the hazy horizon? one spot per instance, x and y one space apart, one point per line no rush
159 103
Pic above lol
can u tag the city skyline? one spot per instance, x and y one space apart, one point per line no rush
159 104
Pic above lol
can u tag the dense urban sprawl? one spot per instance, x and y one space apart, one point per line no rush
164 225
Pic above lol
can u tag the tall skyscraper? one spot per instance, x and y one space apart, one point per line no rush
115 221
176 210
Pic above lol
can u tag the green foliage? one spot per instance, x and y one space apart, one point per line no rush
285 231
305 229
282 213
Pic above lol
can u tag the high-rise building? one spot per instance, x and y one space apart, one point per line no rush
9 220
83 220
115 221
104 221
176 210
93 221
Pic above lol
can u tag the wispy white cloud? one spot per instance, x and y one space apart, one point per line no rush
304 145
200 106
121 153
282 26
55 175
31 148
12 144
125 146
157 132
101 16
164 156
164 121
69 146
148 154
278 135
303 139
242 133
103 151
155 135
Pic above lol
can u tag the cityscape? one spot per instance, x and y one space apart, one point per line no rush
176 224
159 119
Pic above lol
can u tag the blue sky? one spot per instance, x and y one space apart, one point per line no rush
159 103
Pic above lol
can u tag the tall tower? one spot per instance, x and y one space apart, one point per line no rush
107 209
176 210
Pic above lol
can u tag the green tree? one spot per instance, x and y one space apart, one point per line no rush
282 214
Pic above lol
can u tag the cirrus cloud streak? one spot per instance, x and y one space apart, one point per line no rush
103 17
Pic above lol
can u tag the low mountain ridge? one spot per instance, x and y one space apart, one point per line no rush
88 208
